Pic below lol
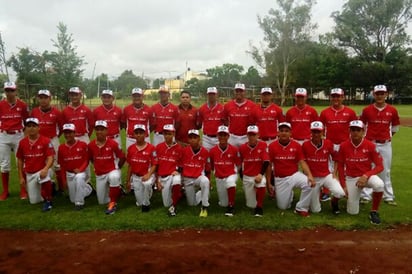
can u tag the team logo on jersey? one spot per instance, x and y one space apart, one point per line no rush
18 109
364 150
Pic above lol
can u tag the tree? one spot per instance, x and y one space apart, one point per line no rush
127 81
226 75
372 29
65 63
252 77
284 30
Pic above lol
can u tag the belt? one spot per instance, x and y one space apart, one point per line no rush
381 141
267 138
211 136
11 132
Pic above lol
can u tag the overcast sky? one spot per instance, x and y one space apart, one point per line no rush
155 37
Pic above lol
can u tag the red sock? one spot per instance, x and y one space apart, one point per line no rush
231 192
60 181
325 190
376 200
114 193
260 195
176 194
5 181
46 190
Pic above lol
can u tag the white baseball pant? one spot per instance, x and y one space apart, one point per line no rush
209 142
222 184
8 143
78 188
284 191
191 184
103 182
33 186
167 183
332 184
237 140
354 192
143 190
249 188
158 138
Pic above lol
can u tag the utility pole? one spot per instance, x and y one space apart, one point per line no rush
3 58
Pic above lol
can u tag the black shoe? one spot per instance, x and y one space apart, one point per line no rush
145 208
93 193
47 206
230 211
374 217
258 212
78 207
335 207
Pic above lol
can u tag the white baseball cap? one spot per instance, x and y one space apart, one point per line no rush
75 90
252 129
100 123
301 92
193 131
44 92
316 125
32 120
10 85
266 90
285 124
164 88
139 126
137 91
356 123
223 129
169 127
108 92
380 88
70 127
240 86
337 91
211 90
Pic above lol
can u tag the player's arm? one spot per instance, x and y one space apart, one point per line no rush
20 165
262 172
128 178
308 173
45 170
151 171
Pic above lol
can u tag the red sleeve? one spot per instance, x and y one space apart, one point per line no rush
299 153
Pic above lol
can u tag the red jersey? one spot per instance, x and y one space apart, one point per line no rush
317 158
211 118
81 117
358 160
141 160
168 158
73 156
337 123
267 119
240 116
253 158
112 116
300 119
34 155
194 164
12 117
186 120
285 159
379 122
104 157
224 162
163 115
50 122
133 116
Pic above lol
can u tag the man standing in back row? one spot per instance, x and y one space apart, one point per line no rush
382 122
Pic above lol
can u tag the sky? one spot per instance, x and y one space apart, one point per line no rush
153 38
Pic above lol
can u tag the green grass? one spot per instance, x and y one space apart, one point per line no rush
18 214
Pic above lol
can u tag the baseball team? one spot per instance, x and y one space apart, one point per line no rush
328 156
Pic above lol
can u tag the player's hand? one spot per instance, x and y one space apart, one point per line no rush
159 185
128 185
43 173
22 181
270 189
258 179
76 170
145 177
361 183
174 173
311 181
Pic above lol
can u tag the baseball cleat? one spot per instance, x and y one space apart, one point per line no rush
111 209
335 207
364 201
93 193
374 217
4 196
325 197
302 213
78 207
258 212
391 202
203 212
47 206
145 208
172 211
230 211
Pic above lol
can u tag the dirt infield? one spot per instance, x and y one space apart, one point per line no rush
204 251
406 121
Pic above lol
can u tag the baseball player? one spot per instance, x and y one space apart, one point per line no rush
187 118
73 157
51 122
34 159
110 113
211 116
78 114
286 155
225 162
318 152
362 163
13 112
195 169
136 113
382 122
239 114
142 161
255 162
169 155
300 116
163 113
268 116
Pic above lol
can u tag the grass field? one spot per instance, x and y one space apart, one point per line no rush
18 214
